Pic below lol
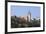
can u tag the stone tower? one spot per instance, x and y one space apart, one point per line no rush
29 17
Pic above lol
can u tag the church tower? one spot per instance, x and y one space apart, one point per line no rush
29 17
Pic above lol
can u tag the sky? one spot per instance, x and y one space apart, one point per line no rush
23 11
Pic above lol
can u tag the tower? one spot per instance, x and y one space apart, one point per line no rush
29 17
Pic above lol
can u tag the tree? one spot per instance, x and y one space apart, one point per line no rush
36 23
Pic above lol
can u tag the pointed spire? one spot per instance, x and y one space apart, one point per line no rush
29 12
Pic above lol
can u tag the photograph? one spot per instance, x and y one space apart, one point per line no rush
25 16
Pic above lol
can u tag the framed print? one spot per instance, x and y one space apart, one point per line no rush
24 16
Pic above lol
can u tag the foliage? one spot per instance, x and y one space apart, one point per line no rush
18 22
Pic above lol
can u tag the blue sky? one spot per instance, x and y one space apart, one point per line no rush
23 10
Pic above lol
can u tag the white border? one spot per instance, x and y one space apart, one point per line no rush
23 29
